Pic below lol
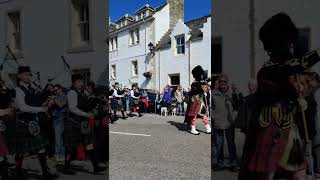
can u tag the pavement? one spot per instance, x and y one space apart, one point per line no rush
83 169
226 174
154 147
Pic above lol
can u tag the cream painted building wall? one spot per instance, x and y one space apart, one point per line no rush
45 37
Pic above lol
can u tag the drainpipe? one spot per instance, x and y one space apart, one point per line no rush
189 62
159 71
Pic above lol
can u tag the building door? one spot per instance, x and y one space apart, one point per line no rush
302 45
216 60
174 81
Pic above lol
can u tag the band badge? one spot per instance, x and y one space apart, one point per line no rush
3 126
85 129
34 128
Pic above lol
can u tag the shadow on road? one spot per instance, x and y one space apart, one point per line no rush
178 125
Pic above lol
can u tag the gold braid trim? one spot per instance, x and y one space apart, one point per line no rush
279 114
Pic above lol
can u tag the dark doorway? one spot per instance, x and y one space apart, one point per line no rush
216 55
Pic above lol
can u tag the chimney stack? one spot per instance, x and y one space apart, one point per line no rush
176 11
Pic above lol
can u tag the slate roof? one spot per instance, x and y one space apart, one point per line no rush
133 19
195 25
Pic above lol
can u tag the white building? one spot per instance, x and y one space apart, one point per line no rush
172 60
40 32
233 53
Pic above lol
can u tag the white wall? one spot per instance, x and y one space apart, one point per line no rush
201 49
200 54
45 38
162 23
232 24
125 54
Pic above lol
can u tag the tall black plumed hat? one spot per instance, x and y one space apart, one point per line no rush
197 72
278 33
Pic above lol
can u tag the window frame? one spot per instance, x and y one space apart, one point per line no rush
17 52
179 45
134 71
114 71
81 46
134 37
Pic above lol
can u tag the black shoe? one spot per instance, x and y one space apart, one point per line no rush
234 168
48 175
68 171
4 173
21 176
218 168
99 169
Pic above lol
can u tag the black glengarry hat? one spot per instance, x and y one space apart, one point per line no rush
24 69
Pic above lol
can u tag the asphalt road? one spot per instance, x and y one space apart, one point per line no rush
154 147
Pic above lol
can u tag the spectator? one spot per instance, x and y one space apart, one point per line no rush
58 116
223 125
178 95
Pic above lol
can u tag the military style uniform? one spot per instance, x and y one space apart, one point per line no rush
77 130
24 135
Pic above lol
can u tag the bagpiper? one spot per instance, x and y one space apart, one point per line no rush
6 114
197 106
135 100
79 126
24 136
119 95
273 144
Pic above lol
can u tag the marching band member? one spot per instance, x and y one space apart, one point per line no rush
119 95
5 111
197 107
78 130
25 135
134 100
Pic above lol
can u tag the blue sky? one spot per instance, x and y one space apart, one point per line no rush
192 8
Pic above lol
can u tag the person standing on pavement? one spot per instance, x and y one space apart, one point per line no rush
59 115
178 94
224 117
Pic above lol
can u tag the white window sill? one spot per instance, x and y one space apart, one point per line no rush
136 76
79 49
132 45
113 51
180 55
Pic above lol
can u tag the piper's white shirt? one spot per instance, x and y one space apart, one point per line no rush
115 93
132 94
72 98
21 104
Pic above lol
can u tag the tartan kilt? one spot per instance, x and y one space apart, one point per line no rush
3 146
19 139
73 131
134 103
114 104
